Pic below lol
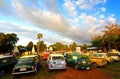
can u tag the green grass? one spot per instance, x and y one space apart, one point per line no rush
113 70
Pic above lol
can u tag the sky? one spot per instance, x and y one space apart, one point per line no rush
64 21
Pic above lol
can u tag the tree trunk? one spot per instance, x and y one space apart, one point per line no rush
109 47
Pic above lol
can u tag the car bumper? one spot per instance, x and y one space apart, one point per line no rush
15 73
55 68
84 66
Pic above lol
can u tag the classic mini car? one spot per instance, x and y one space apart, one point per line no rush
114 56
103 55
27 64
45 56
56 61
97 61
78 61
7 63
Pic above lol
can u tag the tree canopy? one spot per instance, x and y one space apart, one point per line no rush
7 42
109 39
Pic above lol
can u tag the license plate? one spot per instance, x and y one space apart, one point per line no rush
58 65
83 62
23 69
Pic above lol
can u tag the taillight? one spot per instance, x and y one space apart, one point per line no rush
78 62
50 65
33 67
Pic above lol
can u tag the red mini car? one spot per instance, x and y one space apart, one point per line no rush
45 56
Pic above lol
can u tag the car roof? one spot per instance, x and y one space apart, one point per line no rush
2 56
56 55
28 56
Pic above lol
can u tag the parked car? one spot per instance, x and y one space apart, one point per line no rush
97 61
27 64
45 56
78 61
103 55
114 56
7 63
56 61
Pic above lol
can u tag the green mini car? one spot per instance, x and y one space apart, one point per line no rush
27 64
78 61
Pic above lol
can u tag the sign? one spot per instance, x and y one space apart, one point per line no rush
78 49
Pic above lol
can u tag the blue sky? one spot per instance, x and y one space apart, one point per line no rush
63 21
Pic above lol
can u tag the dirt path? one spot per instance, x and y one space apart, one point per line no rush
70 73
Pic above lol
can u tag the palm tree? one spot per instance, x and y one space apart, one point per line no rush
39 36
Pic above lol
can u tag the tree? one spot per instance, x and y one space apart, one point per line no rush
73 46
39 36
97 41
29 46
111 39
42 46
7 42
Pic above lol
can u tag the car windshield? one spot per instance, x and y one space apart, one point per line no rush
57 58
98 55
25 61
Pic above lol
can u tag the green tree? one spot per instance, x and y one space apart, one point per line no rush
73 46
7 42
97 41
29 46
42 46
111 39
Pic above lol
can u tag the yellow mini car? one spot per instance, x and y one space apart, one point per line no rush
97 61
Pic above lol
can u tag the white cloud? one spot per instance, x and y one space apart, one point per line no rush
103 9
101 16
88 4
70 7
53 25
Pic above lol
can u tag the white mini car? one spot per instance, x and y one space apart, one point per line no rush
56 61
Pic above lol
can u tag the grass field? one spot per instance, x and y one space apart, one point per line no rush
113 70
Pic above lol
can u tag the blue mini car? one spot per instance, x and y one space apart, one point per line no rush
56 61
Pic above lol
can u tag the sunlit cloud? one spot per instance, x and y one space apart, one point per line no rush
83 19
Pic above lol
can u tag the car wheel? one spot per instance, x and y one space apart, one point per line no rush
76 67
2 72
95 65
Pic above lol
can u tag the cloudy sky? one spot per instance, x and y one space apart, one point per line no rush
58 20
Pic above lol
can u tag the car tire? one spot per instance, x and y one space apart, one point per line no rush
2 72
95 65
76 67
